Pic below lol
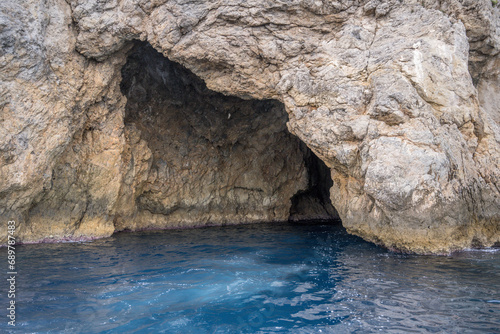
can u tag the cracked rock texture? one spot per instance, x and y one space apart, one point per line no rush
214 159
398 98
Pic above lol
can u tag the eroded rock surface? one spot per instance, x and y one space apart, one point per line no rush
398 98
215 159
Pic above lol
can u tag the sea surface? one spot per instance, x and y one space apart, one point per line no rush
264 278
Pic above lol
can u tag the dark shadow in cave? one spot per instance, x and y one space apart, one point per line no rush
314 204
241 163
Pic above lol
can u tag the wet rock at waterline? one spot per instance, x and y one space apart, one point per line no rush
398 99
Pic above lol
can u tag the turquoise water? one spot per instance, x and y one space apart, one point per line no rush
266 278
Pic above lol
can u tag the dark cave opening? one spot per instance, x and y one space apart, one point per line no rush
218 159
314 203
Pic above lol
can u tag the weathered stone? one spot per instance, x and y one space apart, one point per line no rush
215 159
399 99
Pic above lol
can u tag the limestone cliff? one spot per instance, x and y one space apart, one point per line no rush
398 98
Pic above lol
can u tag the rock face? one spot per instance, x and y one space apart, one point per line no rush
398 98
215 159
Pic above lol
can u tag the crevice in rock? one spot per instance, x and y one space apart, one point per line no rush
216 159
314 203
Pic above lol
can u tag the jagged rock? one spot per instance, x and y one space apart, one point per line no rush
399 99
215 159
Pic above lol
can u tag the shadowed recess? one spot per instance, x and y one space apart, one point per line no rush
216 159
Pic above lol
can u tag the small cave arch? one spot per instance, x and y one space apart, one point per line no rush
217 159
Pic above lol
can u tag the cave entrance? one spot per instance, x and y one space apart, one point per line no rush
216 159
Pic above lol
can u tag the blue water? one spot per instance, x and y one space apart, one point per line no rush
266 278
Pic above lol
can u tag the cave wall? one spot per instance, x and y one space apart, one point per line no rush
175 154
394 96
216 159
